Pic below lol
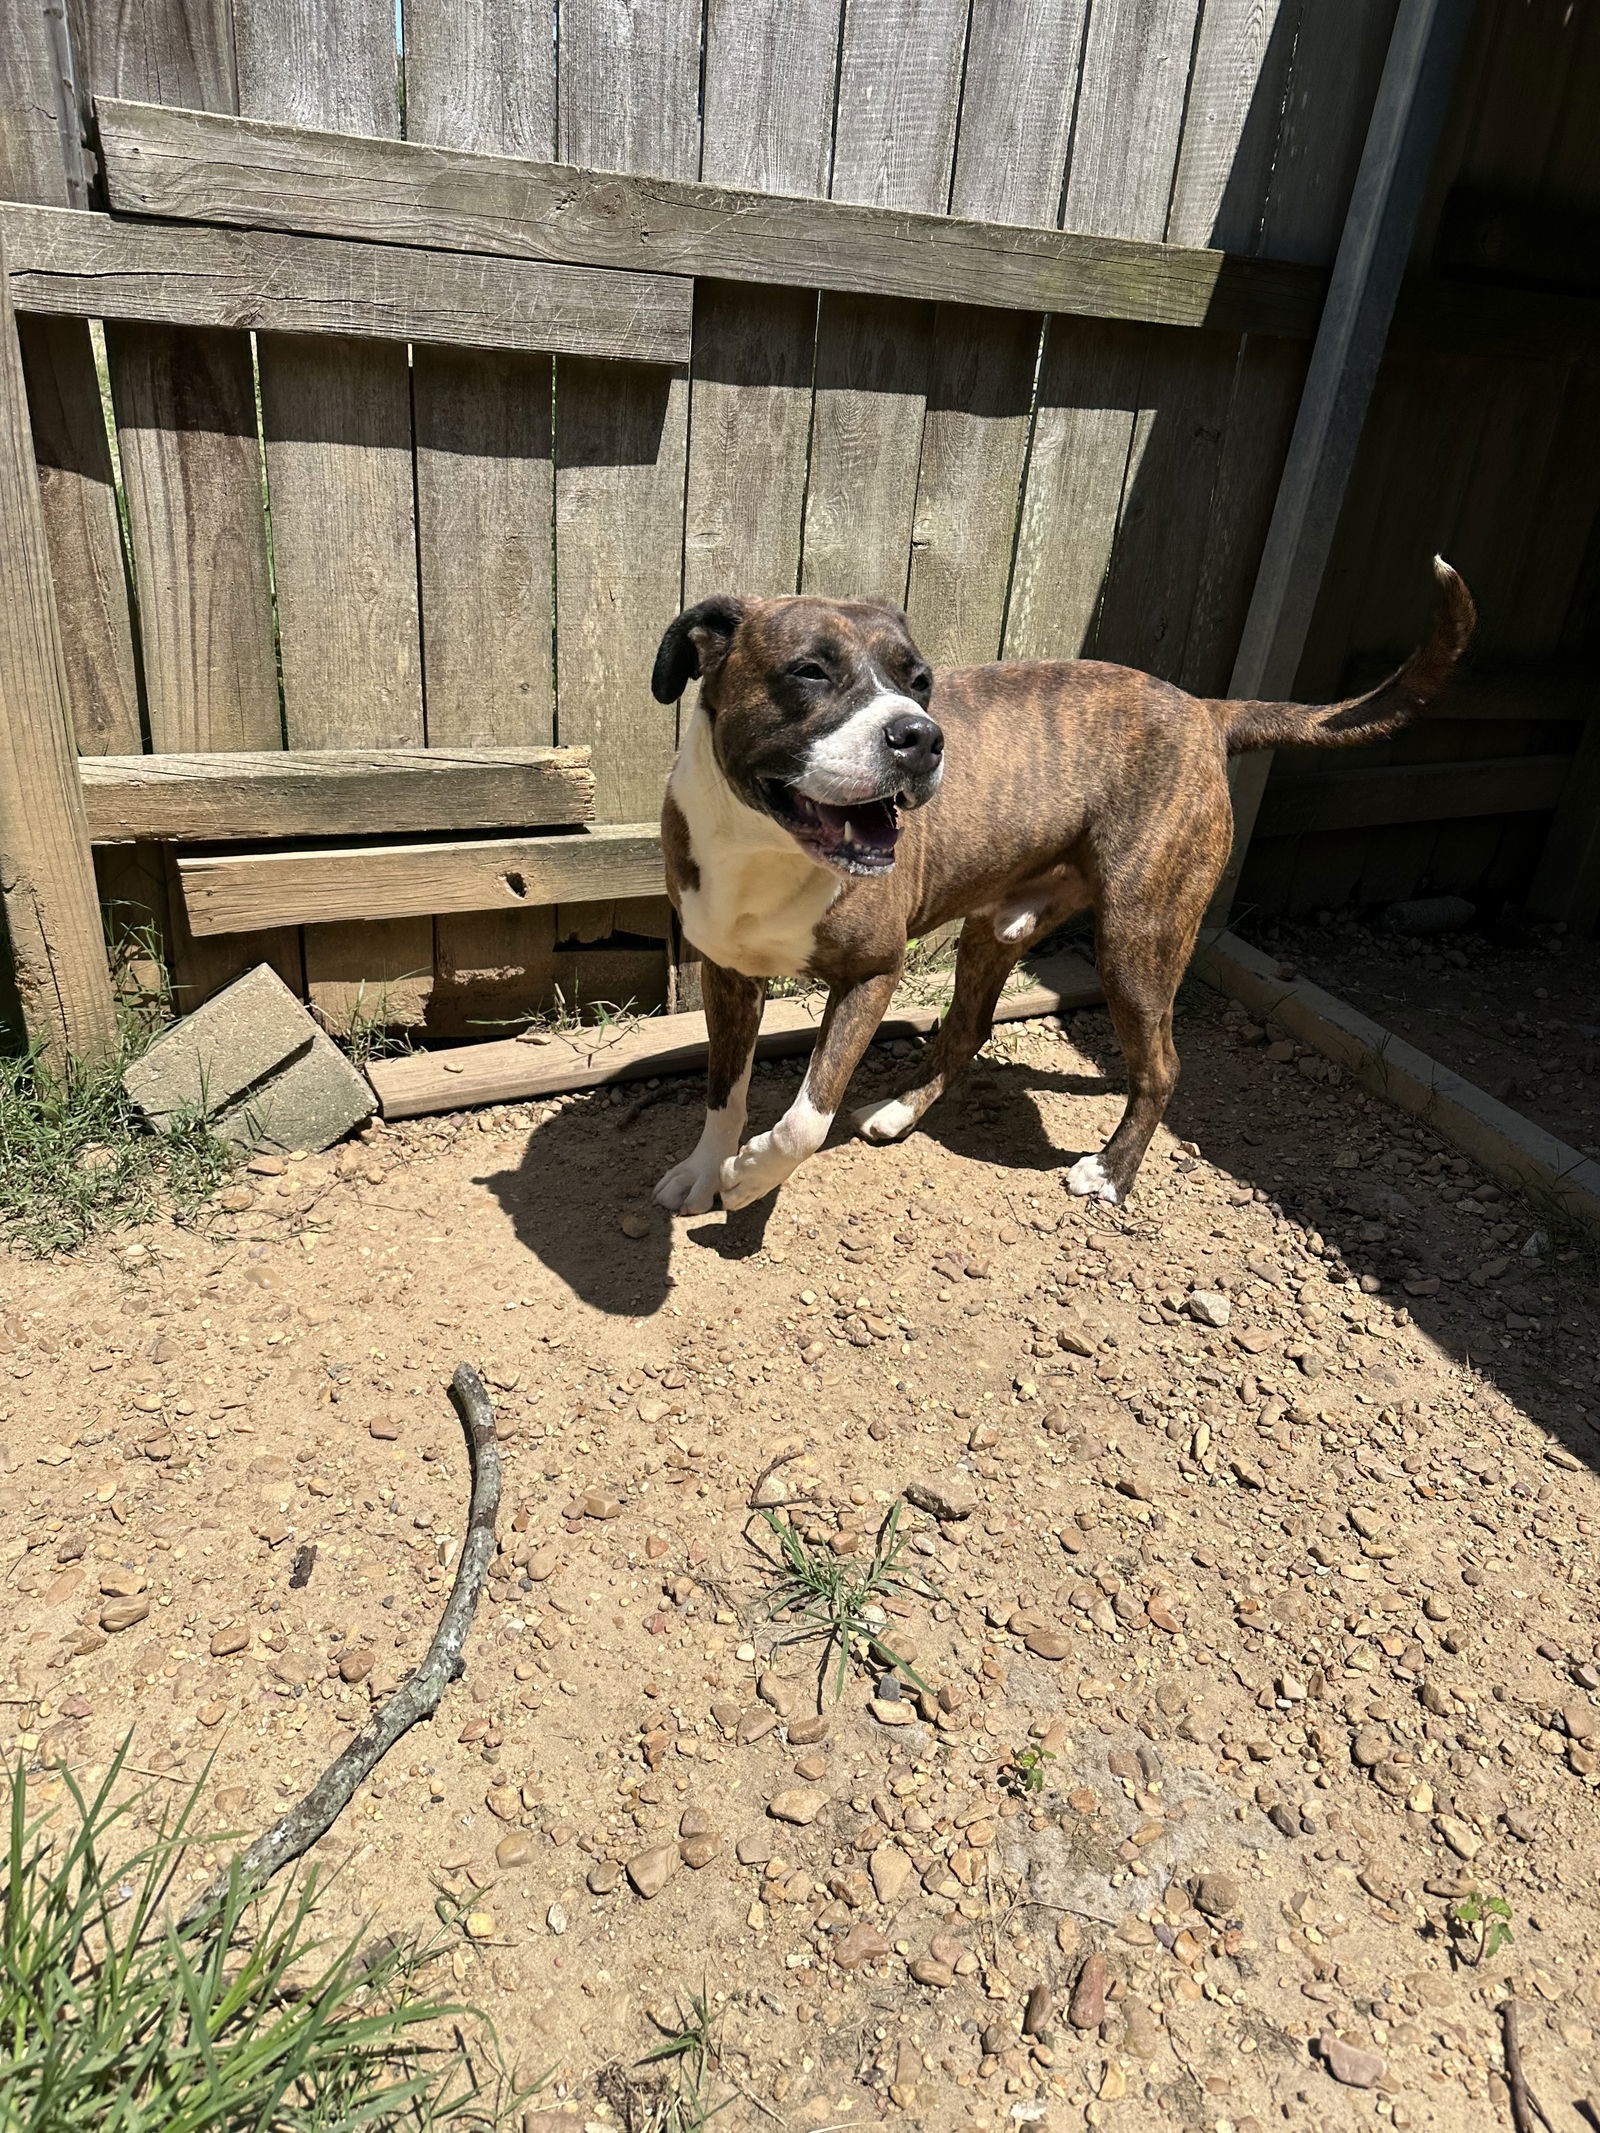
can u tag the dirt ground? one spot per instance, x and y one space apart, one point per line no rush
1520 1017
1296 1609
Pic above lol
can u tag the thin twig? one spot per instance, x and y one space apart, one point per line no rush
771 1467
294 1833
1527 2113
667 1093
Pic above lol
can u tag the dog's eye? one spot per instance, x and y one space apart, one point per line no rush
807 670
921 682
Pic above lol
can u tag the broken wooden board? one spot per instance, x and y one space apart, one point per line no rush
512 1069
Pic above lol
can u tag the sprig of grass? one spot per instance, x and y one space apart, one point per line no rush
76 1158
114 2018
689 2047
830 1596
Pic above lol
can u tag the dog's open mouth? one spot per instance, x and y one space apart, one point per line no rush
858 839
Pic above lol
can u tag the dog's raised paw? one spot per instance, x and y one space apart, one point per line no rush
889 1121
1087 1180
690 1187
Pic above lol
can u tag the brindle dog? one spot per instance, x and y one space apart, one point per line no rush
833 798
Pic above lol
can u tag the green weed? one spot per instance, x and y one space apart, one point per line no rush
841 1601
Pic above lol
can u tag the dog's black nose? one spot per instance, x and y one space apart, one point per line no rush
915 741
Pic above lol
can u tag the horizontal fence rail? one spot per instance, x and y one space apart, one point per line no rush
332 792
209 168
250 892
79 265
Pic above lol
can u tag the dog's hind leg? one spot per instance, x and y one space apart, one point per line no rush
1142 950
733 1018
983 963
853 1013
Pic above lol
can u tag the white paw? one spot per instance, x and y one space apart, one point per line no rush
750 1175
889 1121
690 1187
1087 1180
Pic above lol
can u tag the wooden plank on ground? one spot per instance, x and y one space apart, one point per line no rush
1413 792
201 168
483 78
76 265
508 1072
1567 882
227 892
330 792
47 885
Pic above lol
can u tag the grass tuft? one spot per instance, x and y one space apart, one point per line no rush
839 1600
115 2018
76 1158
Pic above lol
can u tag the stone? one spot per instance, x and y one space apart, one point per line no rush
234 1637
756 1724
479 1925
597 1504
1348 2063
927 1970
756 1848
123 1614
356 1665
892 1712
862 1944
890 1870
650 1871
603 1877
700 1850
783 1694
544 1562
1037 2014
514 1849
255 1065
1048 1643
1087 2009
1464 1842
1369 1747
1210 1308
947 1497
385 1428
800 1804
1218 1895
807 1732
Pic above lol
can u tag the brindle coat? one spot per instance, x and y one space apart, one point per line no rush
1069 785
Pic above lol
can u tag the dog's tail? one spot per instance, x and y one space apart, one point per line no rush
1394 702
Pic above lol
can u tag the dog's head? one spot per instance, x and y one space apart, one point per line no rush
819 717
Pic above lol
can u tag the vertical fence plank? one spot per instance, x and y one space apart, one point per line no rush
483 78
1017 107
769 90
336 420
47 888
1088 438
627 98
1232 121
894 146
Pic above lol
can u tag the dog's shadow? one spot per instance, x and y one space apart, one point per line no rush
581 1188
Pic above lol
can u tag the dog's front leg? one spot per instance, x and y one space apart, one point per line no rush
763 1164
733 1017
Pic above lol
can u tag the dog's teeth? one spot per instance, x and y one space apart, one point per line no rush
849 835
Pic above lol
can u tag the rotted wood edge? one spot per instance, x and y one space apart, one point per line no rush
510 1069
1507 1145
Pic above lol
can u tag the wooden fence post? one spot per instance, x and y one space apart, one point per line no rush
1412 101
46 867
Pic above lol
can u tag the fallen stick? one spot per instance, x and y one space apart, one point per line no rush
1527 2113
294 1833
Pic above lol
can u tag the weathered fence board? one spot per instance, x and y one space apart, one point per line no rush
90 266
208 169
1413 792
239 892
483 78
336 424
47 888
333 792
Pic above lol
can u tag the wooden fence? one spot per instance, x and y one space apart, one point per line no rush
439 379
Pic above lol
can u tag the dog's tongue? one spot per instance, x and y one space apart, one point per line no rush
871 826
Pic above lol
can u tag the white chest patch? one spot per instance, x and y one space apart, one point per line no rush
760 899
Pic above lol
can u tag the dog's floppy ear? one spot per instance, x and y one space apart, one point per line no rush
696 644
